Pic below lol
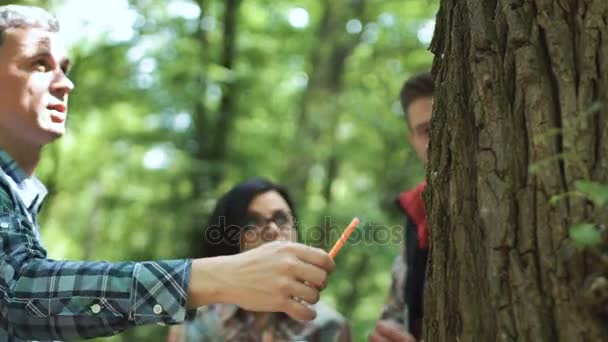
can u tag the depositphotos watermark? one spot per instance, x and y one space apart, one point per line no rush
321 234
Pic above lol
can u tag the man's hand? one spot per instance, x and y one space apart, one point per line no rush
387 331
267 278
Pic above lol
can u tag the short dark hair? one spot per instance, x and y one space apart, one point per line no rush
416 87
18 16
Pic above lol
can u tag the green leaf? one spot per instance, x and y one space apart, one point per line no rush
585 235
554 199
598 193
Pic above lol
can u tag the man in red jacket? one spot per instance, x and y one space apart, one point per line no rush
401 318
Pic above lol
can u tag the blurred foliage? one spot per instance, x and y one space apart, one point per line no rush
204 94
585 235
588 234
597 193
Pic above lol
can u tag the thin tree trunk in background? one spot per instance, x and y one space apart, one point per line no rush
200 117
211 135
296 172
319 104
227 110
515 83
199 173
350 298
332 162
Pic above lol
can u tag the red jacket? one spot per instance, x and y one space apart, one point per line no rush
416 254
412 204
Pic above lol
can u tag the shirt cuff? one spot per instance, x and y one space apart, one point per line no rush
160 291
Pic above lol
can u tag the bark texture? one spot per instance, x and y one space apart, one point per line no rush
520 115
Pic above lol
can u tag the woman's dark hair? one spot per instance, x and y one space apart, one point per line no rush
222 234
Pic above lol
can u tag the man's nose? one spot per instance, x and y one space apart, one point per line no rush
61 86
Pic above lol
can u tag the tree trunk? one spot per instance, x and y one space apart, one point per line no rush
212 132
227 110
319 104
515 84
200 114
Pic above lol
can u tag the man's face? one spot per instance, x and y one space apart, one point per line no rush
34 87
419 115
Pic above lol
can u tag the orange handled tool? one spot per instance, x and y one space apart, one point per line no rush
342 240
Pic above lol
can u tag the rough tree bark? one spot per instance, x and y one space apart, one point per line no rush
515 84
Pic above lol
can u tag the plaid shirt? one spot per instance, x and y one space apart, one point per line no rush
44 299
395 308
227 322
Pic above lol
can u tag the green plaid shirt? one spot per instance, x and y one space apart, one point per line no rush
44 299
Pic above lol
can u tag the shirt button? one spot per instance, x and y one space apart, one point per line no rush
96 308
4 225
158 309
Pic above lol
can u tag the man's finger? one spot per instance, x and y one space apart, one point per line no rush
301 291
314 256
393 332
376 337
311 274
299 311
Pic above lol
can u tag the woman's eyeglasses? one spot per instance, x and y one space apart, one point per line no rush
283 219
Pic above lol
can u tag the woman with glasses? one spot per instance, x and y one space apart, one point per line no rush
250 214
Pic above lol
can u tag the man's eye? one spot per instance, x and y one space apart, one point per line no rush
42 65
424 130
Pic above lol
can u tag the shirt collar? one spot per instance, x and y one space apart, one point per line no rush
29 188
10 167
